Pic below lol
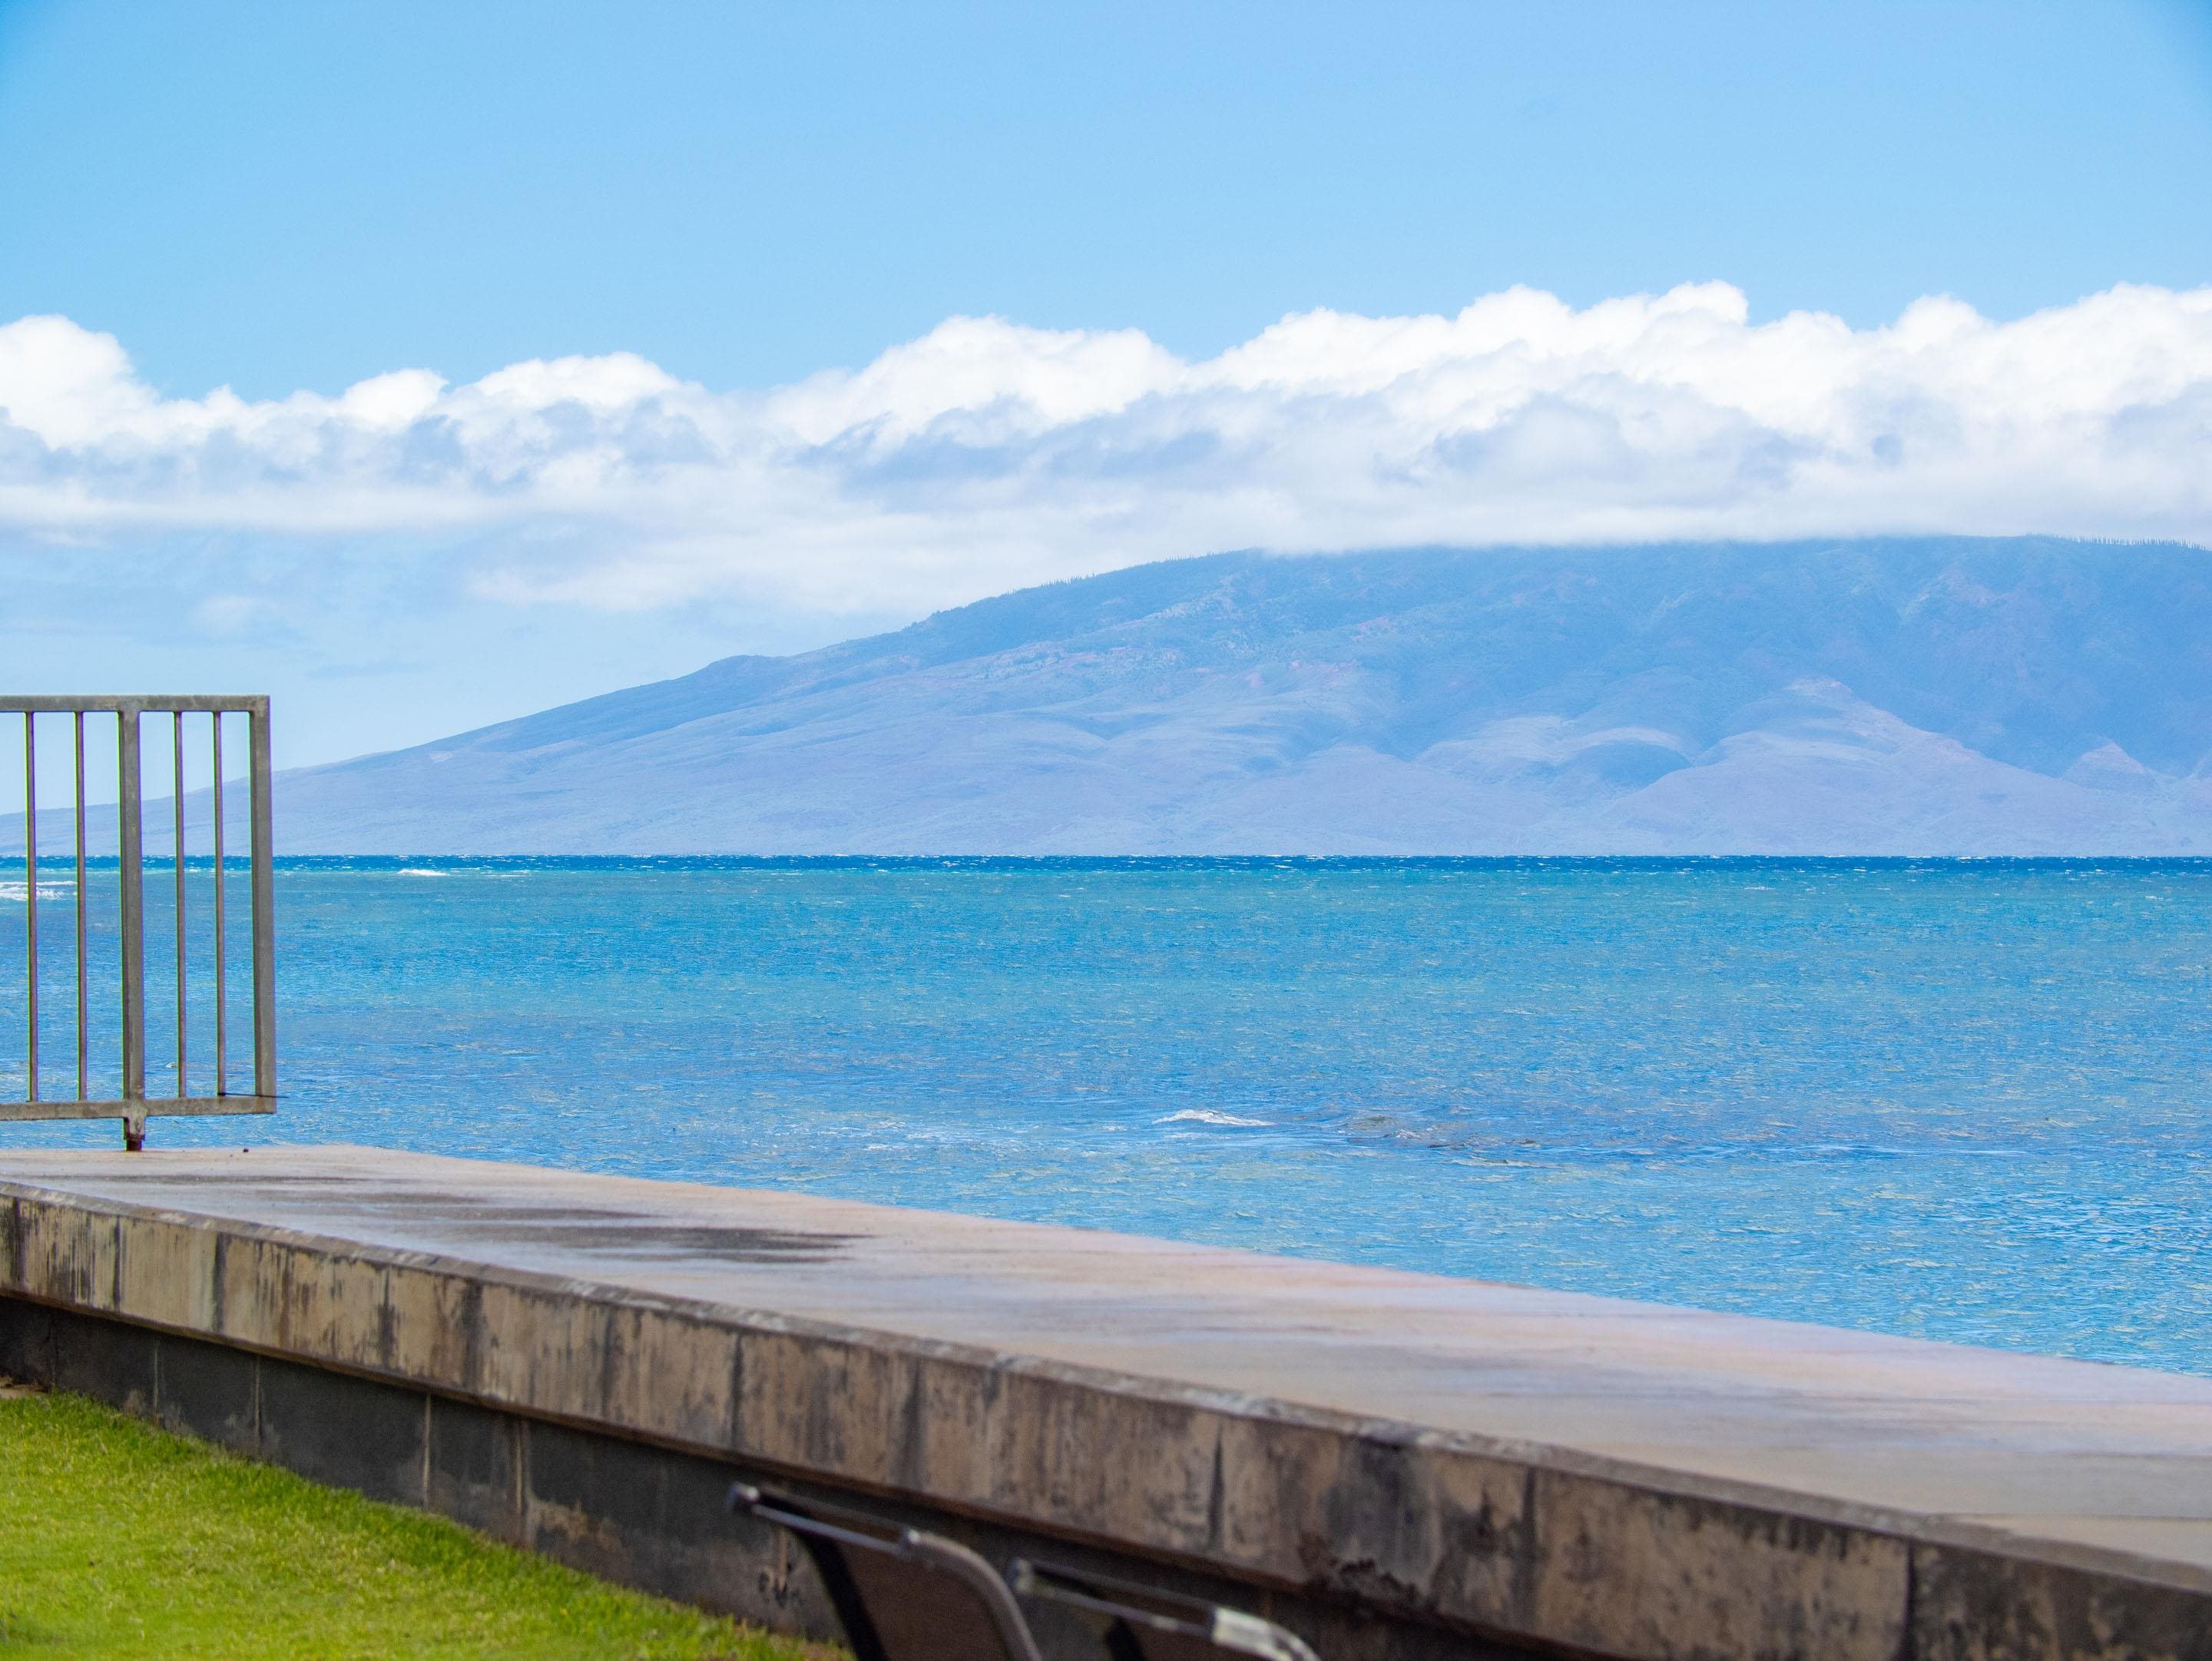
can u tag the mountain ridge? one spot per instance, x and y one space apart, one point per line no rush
1901 695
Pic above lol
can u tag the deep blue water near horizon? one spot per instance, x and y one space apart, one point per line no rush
1956 1099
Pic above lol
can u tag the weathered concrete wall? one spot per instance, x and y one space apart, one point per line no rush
1379 1535
634 1511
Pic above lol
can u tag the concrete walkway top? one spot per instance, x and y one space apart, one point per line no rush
2103 1468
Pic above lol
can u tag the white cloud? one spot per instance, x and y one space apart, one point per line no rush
985 455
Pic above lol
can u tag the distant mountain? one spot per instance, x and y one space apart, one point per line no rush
1879 697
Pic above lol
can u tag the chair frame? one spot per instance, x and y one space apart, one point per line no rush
824 1540
1231 1631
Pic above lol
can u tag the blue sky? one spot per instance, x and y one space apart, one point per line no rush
290 201
278 196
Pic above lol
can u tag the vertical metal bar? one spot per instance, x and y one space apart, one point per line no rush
130 854
81 1038
177 860
265 905
31 892
221 1057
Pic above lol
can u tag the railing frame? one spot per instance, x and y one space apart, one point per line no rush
135 1106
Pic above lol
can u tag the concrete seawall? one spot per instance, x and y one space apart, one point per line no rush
1395 1465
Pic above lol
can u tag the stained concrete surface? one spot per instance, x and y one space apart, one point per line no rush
1583 1472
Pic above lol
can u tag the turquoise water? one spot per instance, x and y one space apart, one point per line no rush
1965 1100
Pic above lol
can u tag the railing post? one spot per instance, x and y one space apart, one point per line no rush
264 902
84 1043
31 897
177 866
130 854
222 942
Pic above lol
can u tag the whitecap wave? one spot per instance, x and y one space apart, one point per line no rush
1208 1116
17 892
421 871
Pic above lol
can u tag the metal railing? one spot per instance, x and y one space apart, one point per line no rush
131 1104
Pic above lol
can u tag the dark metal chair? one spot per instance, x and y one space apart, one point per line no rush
1138 1623
901 1595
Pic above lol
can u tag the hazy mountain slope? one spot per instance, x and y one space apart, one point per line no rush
1895 696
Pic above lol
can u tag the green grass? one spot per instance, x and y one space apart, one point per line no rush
117 1540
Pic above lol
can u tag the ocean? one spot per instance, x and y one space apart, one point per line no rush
1965 1100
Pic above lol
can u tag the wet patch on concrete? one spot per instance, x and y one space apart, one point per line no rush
658 1242
468 1219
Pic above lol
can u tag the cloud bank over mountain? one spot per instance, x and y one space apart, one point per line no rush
987 455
